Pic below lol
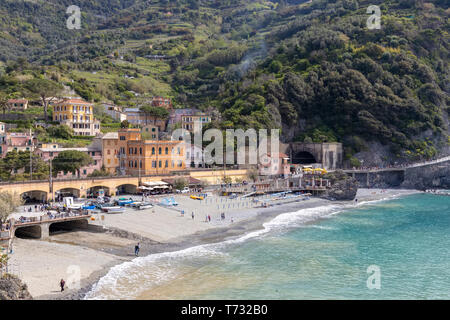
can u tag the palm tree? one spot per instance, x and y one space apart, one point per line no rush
4 101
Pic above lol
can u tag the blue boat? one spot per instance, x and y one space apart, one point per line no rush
168 202
123 203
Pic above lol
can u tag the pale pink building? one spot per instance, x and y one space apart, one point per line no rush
274 165
51 151
20 141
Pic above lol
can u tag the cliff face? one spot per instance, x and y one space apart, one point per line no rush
12 288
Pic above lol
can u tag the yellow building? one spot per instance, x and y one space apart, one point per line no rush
114 146
110 151
150 132
78 115
194 123
147 157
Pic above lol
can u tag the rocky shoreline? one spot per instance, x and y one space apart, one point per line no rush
12 288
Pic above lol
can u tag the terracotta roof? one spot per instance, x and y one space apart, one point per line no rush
111 135
62 149
75 101
17 100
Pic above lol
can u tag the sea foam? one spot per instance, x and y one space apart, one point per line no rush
129 279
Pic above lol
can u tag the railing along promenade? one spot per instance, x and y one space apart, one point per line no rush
6 234
266 186
396 167
81 179
58 217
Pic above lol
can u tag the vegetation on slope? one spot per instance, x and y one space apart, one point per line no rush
313 69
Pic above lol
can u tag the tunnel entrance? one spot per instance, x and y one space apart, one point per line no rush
67 226
35 196
67 192
125 189
30 232
303 157
98 191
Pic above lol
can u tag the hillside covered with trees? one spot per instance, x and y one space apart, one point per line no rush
313 69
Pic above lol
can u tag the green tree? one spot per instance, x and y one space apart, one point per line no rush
18 160
9 203
125 124
61 132
4 101
43 89
71 161
154 112
253 174
179 184
100 173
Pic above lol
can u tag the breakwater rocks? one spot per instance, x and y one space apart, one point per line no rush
12 288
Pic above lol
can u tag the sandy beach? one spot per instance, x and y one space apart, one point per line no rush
89 254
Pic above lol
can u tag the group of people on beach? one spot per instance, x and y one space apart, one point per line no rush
207 217
36 208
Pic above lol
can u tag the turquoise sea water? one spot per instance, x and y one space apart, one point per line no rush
298 256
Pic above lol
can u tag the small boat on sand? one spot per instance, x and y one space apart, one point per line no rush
145 205
113 209
125 202
142 205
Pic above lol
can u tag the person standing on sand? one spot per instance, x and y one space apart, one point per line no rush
209 218
136 249
192 215
62 283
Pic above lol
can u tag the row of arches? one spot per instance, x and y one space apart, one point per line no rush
39 196
36 231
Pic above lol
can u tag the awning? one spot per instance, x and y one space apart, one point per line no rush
155 183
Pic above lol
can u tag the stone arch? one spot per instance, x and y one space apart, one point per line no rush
34 196
303 157
29 232
66 226
127 188
68 192
94 191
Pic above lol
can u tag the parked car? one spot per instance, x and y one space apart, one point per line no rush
185 190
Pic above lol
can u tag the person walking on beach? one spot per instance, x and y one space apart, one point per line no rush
136 249
209 218
62 283
192 215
